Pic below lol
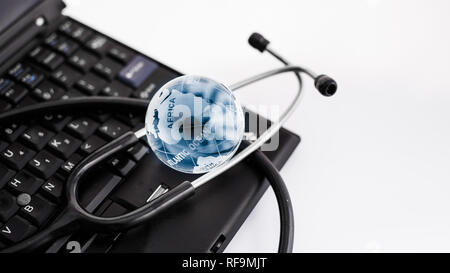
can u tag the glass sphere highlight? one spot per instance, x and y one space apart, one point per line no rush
194 124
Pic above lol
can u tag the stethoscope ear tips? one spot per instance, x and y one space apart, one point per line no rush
325 85
258 41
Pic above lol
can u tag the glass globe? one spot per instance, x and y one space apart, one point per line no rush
194 124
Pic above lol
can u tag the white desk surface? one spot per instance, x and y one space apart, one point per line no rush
372 172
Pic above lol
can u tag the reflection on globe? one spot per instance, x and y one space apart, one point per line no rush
194 124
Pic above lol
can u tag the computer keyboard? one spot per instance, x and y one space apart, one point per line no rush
36 157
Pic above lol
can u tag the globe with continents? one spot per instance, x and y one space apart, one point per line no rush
194 124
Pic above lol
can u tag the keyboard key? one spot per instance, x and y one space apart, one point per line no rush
51 60
44 164
146 93
75 31
61 44
65 76
157 79
67 27
52 41
56 121
90 84
47 58
17 156
36 137
139 127
120 54
12 131
24 182
64 145
116 89
38 210
31 78
15 94
112 129
5 84
100 115
137 152
53 189
136 189
36 52
3 145
16 229
92 144
98 211
5 175
68 166
4 106
83 60
27 101
72 93
137 71
8 205
114 210
100 186
47 92
99 44
23 199
121 165
17 71
129 118
82 127
67 47
107 68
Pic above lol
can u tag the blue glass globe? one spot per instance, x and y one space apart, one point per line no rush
194 124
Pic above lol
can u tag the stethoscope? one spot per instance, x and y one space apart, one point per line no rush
74 216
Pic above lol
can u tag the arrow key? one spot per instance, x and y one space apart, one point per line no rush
16 229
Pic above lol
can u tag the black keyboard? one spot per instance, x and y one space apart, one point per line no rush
37 157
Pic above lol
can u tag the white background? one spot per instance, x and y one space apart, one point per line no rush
372 172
